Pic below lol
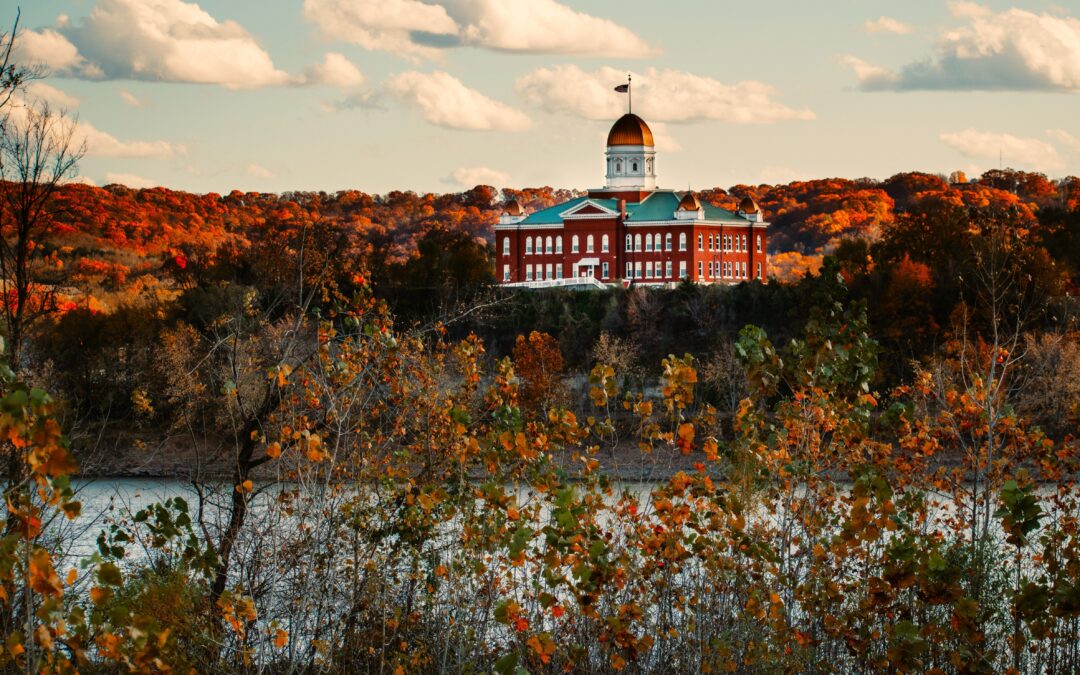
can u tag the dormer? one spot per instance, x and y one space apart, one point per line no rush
689 208
512 213
749 209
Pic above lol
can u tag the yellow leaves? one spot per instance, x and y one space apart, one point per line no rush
711 449
99 596
237 612
43 578
684 439
543 646
109 645
140 401
281 374
281 638
313 447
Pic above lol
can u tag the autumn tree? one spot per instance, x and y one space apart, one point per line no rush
38 153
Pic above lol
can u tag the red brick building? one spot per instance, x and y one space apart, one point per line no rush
630 231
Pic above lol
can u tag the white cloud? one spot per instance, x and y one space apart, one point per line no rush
543 27
162 40
1025 152
131 99
336 71
102 144
1015 50
51 95
424 29
259 171
470 177
83 180
665 142
659 95
445 101
887 24
1065 138
129 179
49 48
869 75
386 25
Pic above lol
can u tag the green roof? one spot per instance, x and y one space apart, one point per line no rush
660 205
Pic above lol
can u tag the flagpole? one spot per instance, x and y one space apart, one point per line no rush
629 95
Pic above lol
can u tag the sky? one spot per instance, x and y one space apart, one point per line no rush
440 95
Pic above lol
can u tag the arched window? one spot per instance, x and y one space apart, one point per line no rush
667 243
558 244
648 242
548 245
744 247
618 166
506 245
528 245
634 167
589 244
759 251
637 242
682 241
604 244
574 244
629 243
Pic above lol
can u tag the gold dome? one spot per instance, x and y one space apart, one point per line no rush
689 202
630 130
748 205
514 208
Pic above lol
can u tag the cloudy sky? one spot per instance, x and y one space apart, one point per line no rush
437 95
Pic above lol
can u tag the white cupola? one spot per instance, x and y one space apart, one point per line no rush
631 154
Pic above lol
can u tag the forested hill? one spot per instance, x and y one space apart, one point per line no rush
105 235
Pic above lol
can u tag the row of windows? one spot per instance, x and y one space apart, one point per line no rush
551 271
647 270
635 243
554 245
616 165
726 270
658 271
727 242
653 242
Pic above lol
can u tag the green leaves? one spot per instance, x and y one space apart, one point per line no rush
1020 512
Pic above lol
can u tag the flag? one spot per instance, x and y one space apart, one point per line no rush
622 88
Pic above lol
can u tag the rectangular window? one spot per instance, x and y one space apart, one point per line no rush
700 242
558 271
629 270
648 270
506 272
528 273
700 270
604 270
549 271
637 270
682 241
667 269
682 269
759 270
712 245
